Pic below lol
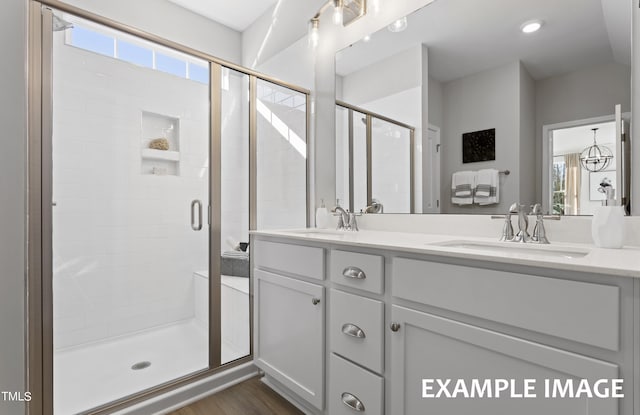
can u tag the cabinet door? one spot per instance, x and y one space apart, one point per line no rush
430 347
289 333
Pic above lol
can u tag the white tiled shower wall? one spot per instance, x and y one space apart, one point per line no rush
124 251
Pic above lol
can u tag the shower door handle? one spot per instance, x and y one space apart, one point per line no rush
196 204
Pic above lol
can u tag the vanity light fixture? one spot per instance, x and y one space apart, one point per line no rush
531 26
595 157
344 13
399 25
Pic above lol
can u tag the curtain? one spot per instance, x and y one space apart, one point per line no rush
573 181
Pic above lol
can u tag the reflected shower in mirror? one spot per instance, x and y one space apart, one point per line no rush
363 139
485 95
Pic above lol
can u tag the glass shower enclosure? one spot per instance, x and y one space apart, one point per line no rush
156 162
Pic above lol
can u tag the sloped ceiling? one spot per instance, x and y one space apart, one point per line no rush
236 14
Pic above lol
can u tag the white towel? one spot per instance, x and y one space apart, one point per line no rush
463 184
487 187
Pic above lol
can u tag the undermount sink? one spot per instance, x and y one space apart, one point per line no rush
513 247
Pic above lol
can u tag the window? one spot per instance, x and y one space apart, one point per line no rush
559 184
171 65
135 54
199 73
92 41
122 47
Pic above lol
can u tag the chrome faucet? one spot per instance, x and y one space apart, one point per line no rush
507 228
353 223
343 217
346 220
374 207
523 225
539 232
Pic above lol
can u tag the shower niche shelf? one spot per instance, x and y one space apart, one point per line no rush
153 154
154 161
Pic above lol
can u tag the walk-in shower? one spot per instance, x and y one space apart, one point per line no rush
157 164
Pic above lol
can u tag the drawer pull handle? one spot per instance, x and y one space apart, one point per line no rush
315 301
352 402
354 272
353 330
395 327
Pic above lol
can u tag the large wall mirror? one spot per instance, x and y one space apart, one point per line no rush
464 107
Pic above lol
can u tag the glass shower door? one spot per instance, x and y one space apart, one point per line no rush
130 199
391 166
234 235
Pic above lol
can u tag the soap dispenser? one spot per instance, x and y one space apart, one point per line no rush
322 216
607 225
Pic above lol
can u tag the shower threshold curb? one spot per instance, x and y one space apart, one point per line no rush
185 395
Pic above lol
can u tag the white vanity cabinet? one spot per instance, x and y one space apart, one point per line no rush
425 346
428 346
395 319
290 318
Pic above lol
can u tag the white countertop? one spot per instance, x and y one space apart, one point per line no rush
620 262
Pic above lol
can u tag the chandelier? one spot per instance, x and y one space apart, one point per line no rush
595 157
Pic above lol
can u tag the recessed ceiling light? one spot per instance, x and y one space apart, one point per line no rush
366 38
531 26
398 26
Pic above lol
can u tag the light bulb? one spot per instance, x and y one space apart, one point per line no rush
337 12
337 16
314 32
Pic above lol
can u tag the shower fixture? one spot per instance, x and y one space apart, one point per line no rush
59 24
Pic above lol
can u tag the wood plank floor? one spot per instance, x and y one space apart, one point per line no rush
250 397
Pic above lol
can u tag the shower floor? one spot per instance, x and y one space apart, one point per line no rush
92 375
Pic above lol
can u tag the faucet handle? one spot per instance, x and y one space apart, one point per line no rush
536 209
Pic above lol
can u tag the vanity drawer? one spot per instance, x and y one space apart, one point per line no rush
306 261
579 311
356 270
356 325
351 385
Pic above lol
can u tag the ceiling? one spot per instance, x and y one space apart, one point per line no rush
236 14
466 37
576 139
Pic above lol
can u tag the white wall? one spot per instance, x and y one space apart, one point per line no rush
123 249
172 22
435 103
400 72
293 65
591 92
12 200
527 122
278 28
485 100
